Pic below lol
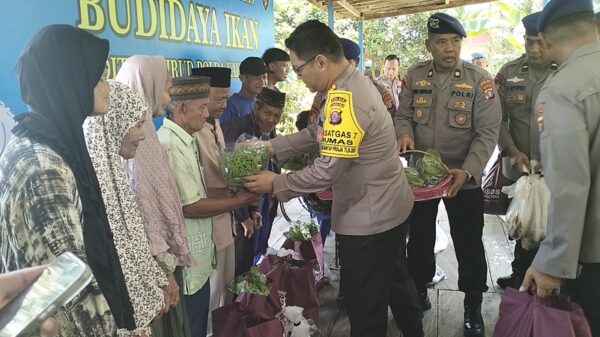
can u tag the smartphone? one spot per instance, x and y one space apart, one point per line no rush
60 281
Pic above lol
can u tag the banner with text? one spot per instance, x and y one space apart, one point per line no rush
188 33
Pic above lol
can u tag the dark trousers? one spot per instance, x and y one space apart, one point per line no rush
523 260
244 250
175 322
585 290
369 281
465 212
197 306
404 298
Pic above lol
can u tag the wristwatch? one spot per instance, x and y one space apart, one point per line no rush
469 175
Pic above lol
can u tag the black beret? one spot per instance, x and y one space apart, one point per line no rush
351 49
219 77
442 23
189 87
271 97
275 54
530 23
557 9
253 66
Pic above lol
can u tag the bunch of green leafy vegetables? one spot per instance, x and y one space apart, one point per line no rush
251 282
302 231
243 161
428 170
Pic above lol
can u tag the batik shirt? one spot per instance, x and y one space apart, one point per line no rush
40 218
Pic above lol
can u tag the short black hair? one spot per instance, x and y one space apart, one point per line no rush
274 54
302 120
314 37
392 57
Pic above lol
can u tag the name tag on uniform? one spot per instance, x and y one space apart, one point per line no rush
342 134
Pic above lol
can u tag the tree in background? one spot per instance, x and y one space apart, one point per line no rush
404 36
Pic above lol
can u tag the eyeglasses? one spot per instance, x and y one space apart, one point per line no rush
298 70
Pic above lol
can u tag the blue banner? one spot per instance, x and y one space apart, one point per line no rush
188 33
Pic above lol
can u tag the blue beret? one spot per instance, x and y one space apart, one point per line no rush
557 9
351 49
478 55
441 23
530 23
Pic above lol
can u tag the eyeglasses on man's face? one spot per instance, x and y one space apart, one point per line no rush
298 70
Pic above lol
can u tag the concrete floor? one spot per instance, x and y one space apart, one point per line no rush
446 317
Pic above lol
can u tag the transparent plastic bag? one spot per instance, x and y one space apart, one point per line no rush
527 215
247 157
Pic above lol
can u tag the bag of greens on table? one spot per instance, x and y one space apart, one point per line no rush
248 157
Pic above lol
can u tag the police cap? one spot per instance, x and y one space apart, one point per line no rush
530 23
351 49
557 9
442 23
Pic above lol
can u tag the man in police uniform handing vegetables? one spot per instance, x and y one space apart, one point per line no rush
359 160
451 106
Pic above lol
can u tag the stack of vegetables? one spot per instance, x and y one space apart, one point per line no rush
427 172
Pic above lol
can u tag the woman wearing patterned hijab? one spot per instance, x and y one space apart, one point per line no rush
50 201
110 138
155 190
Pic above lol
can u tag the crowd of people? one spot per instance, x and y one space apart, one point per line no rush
152 214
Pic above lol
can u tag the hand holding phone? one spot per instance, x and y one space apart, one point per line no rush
30 296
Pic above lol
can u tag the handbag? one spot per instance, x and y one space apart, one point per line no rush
494 200
525 315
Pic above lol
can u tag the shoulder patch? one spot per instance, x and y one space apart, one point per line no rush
488 88
342 134
539 116
499 79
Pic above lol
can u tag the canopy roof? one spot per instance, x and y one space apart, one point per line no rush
375 9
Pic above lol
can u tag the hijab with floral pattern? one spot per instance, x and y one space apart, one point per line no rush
104 136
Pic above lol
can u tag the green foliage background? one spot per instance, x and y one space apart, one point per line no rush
403 36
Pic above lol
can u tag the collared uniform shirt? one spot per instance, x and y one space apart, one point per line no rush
518 88
569 119
41 218
394 86
460 117
211 145
371 193
181 151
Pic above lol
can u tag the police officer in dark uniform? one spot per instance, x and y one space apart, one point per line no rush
519 82
450 105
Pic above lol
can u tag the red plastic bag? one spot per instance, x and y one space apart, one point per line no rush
494 200
311 250
525 315
294 280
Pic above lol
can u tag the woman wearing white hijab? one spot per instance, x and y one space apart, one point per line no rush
110 139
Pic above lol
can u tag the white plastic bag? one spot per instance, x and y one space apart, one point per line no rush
527 214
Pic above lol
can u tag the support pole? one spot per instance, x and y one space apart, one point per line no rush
361 63
330 14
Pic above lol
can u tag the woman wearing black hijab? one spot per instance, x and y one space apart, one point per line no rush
50 201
